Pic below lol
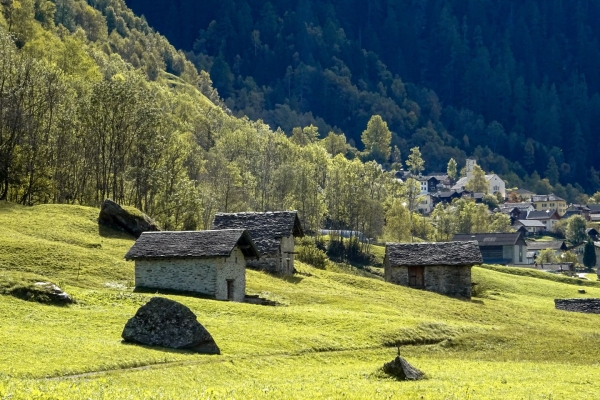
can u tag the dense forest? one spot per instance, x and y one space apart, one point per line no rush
514 82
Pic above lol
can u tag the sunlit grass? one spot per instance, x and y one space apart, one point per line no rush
328 339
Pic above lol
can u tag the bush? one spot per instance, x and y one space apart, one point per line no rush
309 253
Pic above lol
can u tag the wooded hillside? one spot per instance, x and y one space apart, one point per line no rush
504 80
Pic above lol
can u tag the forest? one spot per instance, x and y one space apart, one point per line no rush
96 104
515 83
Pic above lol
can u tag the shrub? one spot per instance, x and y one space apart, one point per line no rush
309 253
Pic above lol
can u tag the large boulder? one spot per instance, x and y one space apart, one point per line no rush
116 217
400 369
167 323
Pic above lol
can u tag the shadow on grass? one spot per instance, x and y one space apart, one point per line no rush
165 349
110 233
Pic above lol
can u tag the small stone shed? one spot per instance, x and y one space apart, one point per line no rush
273 233
212 263
443 268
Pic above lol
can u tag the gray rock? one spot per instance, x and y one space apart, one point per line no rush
588 306
167 323
114 216
400 369
55 294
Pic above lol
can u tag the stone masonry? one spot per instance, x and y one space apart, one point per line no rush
448 280
201 275
588 306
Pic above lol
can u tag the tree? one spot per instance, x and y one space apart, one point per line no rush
547 256
501 223
552 171
377 139
589 255
396 159
576 229
415 162
452 169
477 183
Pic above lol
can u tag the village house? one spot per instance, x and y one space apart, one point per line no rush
516 211
445 197
548 202
520 195
212 263
498 248
534 248
594 212
529 227
549 218
495 183
579 249
425 205
273 233
577 209
443 268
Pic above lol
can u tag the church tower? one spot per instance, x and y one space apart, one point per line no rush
471 163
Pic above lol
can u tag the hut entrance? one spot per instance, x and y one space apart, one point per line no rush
229 289
416 277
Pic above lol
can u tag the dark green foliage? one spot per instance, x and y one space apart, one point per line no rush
589 255
506 72
310 253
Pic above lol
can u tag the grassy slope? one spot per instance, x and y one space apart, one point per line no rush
327 342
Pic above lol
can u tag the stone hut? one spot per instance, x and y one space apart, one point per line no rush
273 233
443 268
212 263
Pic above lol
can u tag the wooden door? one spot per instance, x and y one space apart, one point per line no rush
416 277
229 289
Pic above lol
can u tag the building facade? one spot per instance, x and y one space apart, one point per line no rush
273 233
212 263
498 248
548 202
444 268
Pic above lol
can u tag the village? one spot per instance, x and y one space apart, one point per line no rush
213 262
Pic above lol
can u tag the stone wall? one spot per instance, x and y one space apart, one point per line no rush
277 263
206 276
448 280
588 306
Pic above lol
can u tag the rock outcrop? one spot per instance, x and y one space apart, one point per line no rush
588 306
400 369
167 323
55 294
116 217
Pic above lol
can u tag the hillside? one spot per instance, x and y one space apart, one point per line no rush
514 82
328 339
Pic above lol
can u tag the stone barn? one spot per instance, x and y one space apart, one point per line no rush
443 268
212 263
273 233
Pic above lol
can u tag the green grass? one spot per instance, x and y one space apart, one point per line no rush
328 340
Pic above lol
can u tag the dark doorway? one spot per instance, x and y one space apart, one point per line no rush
416 277
229 289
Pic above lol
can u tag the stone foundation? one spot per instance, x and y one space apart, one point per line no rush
588 306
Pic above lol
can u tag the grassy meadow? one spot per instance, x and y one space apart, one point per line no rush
328 339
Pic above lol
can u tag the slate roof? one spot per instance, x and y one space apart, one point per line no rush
523 191
595 208
546 197
554 245
192 244
512 206
491 239
266 228
530 223
422 254
541 215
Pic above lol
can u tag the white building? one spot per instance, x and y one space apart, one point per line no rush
496 184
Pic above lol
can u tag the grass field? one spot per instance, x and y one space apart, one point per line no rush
328 339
